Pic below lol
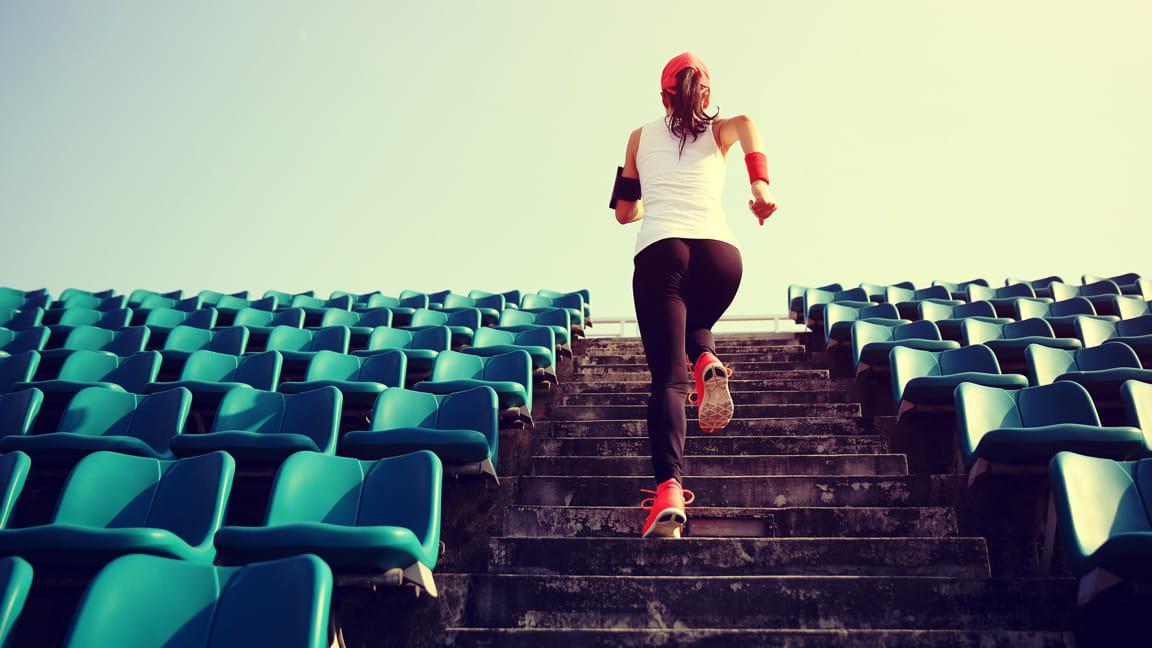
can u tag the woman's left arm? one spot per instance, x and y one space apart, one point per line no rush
630 211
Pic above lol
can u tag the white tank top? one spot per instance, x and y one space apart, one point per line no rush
681 193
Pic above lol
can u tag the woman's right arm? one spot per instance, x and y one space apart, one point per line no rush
741 128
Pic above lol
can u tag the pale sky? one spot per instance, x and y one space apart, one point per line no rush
296 144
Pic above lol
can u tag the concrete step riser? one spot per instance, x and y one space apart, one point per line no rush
640 375
644 386
638 412
755 602
719 445
738 427
738 397
705 466
777 492
744 370
749 638
820 521
780 354
956 557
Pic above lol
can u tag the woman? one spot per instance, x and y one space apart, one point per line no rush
687 266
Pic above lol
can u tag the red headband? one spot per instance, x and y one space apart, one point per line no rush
685 60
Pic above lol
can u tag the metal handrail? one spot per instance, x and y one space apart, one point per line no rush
624 322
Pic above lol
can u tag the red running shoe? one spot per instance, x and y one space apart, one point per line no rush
711 393
666 510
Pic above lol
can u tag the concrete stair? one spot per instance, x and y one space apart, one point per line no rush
807 530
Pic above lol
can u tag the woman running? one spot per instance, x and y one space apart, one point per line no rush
687 266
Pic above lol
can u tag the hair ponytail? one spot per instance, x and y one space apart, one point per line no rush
688 118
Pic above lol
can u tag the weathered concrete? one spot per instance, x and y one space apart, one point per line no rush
644 386
636 412
758 397
775 354
738 427
721 465
719 445
746 370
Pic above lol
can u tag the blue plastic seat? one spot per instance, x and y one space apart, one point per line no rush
1008 341
61 326
360 379
23 299
314 307
15 583
420 346
194 605
490 307
540 343
14 469
960 290
89 301
84 369
31 339
462 323
284 299
558 319
71 293
360 324
18 368
18 412
1027 427
1060 315
879 292
161 321
907 301
511 297
260 324
924 381
125 342
1101 370
950 318
509 374
183 341
260 428
1135 332
1129 306
1100 293
137 297
228 306
361 517
21 320
1042 287
155 303
838 320
115 504
209 376
212 297
1003 299
574 299
573 303
461 428
1137 398
298 346
1102 520
796 298
815 300
872 343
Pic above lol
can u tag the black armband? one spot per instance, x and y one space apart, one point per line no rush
624 189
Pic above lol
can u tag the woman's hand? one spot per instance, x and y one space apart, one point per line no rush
762 203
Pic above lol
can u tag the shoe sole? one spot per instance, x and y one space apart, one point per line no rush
716 408
667 525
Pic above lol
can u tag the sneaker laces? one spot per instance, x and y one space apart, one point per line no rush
647 503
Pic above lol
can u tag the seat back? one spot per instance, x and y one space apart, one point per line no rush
486 337
933 310
469 317
287 338
1027 307
232 340
1136 326
1137 397
1060 402
865 333
135 371
1129 306
18 410
542 336
1072 306
88 366
153 418
33 339
314 414
21 320
1094 331
401 408
1103 287
458 301
339 317
414 299
14 468
976 359
975 331
419 475
931 292
428 317
472 409
551 317
376 317
908 364
1046 364
79 317
385 337
330 338
921 330
1110 355
89 338
1033 327
329 365
20 367
837 312
980 409
389 368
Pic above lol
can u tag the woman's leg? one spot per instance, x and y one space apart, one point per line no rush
660 314
709 285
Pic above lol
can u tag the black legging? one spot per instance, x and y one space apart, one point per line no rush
680 287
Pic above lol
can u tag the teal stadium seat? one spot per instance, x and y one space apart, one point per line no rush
960 290
431 300
796 298
314 307
183 341
284 299
511 297
18 368
1042 287
540 343
879 292
1100 293
137 297
14 469
84 369
140 313
102 419
32 339
22 299
573 303
838 320
70 293
908 301
1008 341
1003 299
420 346
1027 427
360 324
115 504
360 379
872 343
509 374
815 300
1060 315
1129 306
113 320
924 381
461 428
1102 521
462 323
402 308
194 605
298 346
260 428
212 297
15 583
93 302
18 412
209 376
260 324
21 320
1102 370
161 321
489 307
351 514
124 342
228 306
950 319
558 319
1135 332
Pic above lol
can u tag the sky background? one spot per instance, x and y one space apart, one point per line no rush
384 145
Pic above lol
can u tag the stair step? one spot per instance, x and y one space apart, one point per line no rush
737 427
782 397
639 374
595 344
712 444
752 638
637 412
644 386
955 557
815 521
764 491
723 465
775 354
747 370
817 602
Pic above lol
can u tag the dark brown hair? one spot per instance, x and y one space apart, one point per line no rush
688 118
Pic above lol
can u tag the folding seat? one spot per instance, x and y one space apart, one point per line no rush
574 304
1129 306
298 346
18 412
872 343
141 312
462 323
401 309
124 342
161 321
1101 520
15 583
260 428
489 307
1008 341
1100 293
540 343
510 374
796 298
924 381
70 293
960 290
228 306
1060 315
360 379
32 339
1042 287
1130 283
574 299
420 347
435 299
838 320
337 317
183 341
1137 397
461 428
314 307
140 295
1014 431
91 302
511 297
17 368
195 605
950 319
360 324
1003 299
116 504
209 376
23 299
21 320
358 299
103 419
260 324
1101 370
815 300
283 299
908 301
14 469
212 297
84 369
349 513
879 292
557 319
1135 332
113 320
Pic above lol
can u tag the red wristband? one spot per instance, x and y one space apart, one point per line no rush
757 164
